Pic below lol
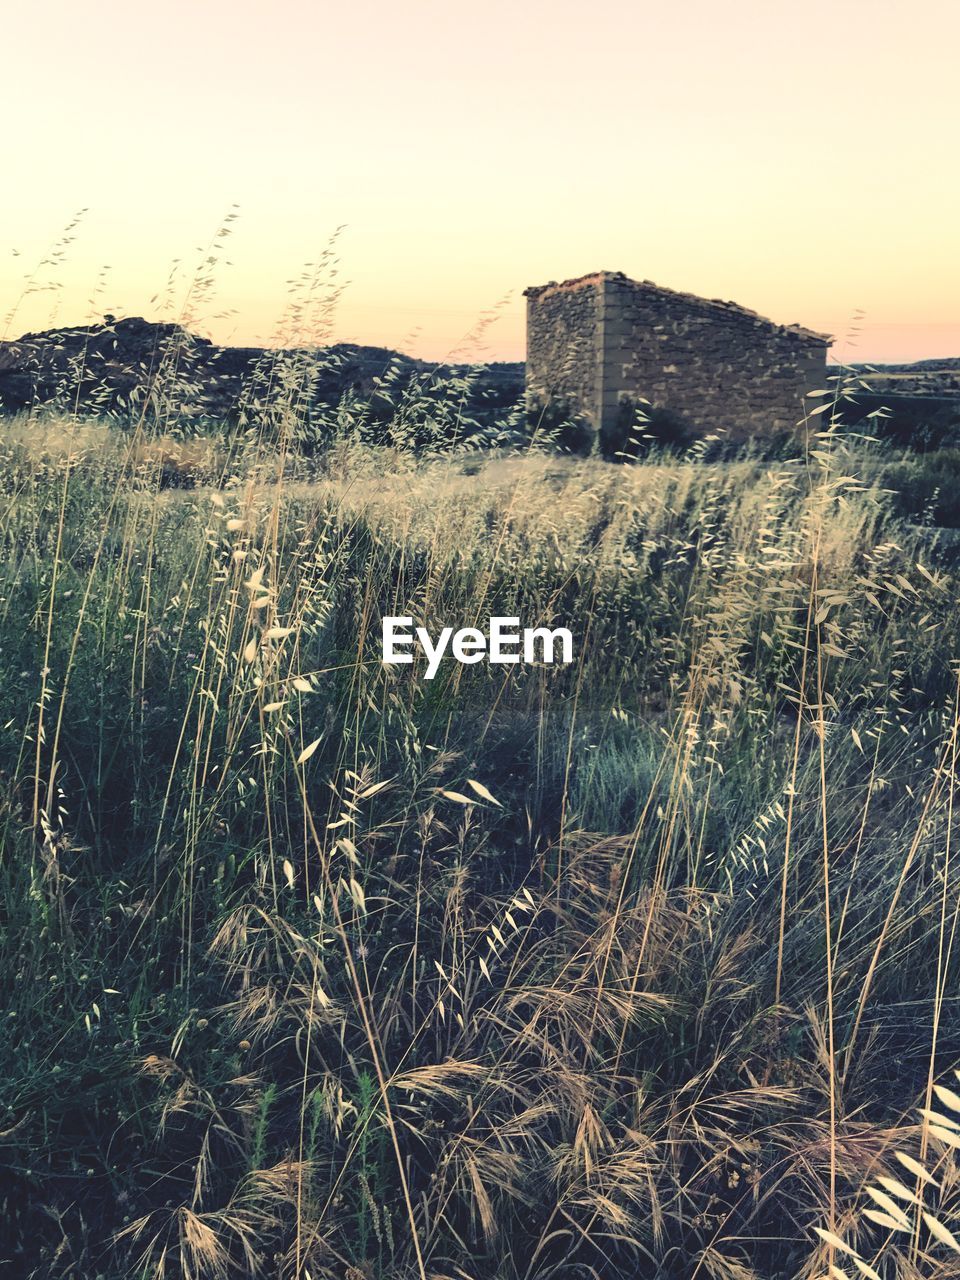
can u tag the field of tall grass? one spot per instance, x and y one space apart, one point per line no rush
642 966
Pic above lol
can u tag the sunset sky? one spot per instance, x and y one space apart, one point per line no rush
798 159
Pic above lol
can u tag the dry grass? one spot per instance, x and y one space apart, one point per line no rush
633 968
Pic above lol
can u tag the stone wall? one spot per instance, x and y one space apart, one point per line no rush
564 347
605 339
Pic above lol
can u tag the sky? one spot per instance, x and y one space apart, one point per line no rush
435 158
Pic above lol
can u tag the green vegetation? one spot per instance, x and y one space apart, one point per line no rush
637 967
927 488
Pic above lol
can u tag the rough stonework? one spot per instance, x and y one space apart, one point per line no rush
602 343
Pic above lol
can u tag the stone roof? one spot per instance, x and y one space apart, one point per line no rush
717 305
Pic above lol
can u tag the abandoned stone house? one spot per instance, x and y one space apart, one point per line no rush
601 344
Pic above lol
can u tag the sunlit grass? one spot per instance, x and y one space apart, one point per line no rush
636 967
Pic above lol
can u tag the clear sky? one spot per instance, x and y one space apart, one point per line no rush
800 159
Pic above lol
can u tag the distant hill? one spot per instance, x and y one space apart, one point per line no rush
134 367
921 377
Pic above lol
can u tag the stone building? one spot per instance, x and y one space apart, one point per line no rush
599 345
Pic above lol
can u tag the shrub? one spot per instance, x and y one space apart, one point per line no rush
926 488
639 427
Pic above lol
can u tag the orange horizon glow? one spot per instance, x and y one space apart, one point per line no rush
799 168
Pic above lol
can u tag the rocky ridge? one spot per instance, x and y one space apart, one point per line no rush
133 368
